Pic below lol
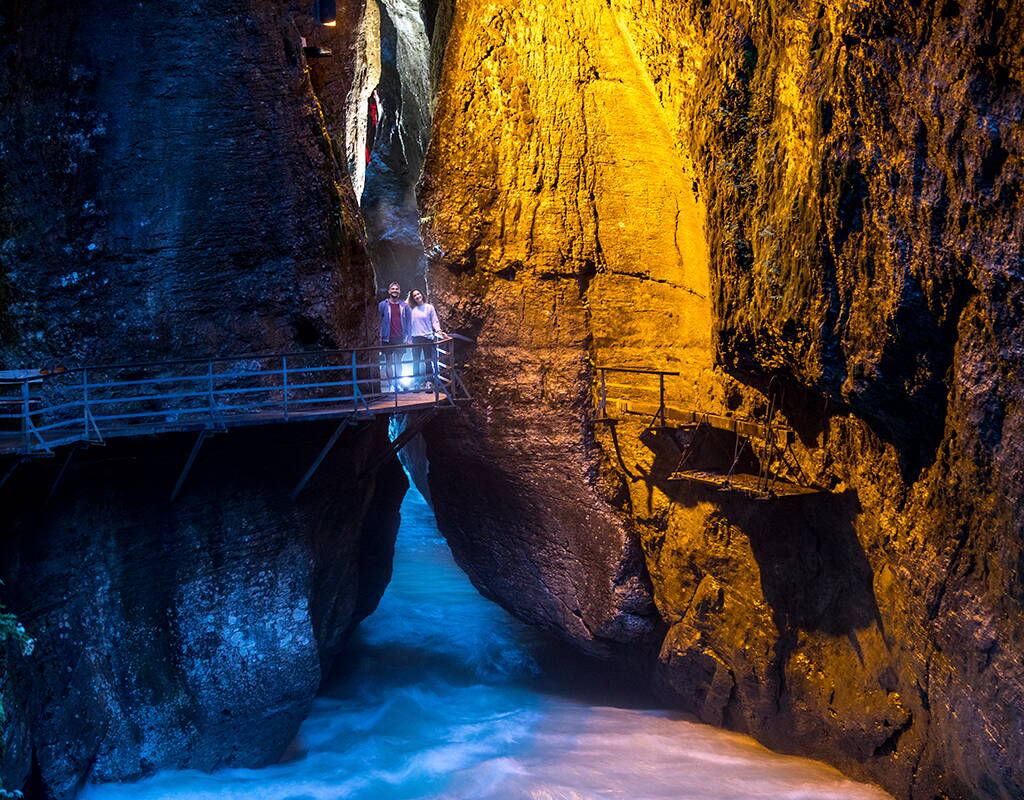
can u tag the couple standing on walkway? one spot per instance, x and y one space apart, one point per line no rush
401 322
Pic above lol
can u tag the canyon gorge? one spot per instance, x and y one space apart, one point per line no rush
807 216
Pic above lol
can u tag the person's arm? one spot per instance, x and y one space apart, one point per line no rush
435 323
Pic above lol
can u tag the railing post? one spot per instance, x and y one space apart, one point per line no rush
661 397
284 382
85 402
24 413
435 371
603 399
397 363
209 379
355 384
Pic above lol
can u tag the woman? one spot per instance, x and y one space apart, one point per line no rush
425 330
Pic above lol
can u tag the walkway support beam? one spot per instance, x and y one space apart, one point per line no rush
320 458
412 428
188 464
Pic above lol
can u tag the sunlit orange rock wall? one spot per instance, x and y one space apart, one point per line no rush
819 204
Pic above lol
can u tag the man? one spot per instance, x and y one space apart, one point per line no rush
395 328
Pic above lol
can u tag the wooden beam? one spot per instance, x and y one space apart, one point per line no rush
782 434
751 485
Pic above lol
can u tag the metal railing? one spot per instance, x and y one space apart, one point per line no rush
602 390
40 411
767 439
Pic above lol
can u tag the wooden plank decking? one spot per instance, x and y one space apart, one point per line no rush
750 485
13 442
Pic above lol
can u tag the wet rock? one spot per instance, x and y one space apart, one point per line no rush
175 184
814 213
403 126
193 634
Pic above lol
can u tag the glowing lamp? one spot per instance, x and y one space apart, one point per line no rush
326 12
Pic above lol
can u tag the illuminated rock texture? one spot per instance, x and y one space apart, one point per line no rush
816 209
175 184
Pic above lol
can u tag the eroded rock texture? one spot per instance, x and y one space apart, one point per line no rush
194 634
175 181
811 209
175 185
403 127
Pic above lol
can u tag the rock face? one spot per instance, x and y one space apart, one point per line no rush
175 185
175 181
389 197
193 634
812 215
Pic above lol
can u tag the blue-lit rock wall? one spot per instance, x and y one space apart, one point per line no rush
175 185
174 181
192 634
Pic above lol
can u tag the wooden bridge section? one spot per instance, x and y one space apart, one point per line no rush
766 441
43 410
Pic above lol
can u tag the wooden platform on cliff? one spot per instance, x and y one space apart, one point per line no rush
687 419
750 485
723 445
13 442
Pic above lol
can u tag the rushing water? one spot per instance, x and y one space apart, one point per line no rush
445 699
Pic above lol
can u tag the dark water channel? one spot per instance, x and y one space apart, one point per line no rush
446 699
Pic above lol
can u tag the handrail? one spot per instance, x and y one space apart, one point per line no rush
285 387
603 390
60 370
639 371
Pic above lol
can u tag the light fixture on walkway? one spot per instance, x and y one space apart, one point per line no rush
326 12
312 51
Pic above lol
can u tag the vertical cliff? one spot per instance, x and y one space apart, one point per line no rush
403 127
175 181
193 634
175 184
811 209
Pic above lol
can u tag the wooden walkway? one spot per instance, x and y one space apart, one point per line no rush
13 442
756 486
43 410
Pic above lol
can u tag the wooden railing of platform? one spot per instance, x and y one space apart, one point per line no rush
41 410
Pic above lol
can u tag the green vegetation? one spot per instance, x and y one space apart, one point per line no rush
12 633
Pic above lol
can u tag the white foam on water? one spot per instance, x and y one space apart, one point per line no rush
443 703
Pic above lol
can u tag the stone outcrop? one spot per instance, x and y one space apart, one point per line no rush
810 211
193 634
175 184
